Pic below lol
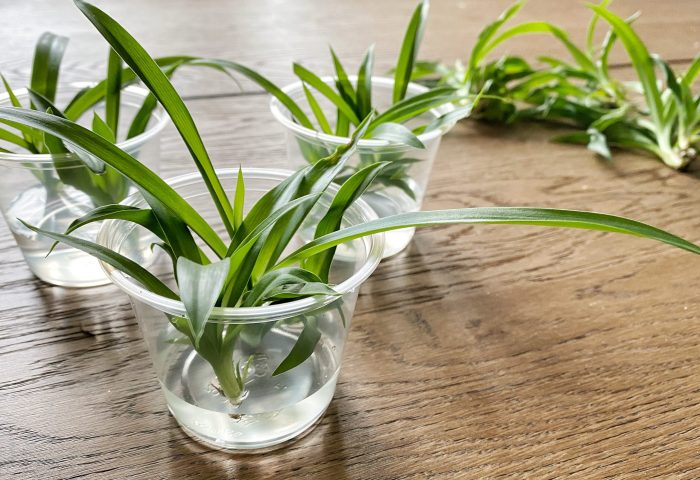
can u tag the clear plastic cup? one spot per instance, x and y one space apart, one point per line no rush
272 409
402 186
47 191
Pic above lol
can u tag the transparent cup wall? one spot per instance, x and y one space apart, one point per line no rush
50 191
401 186
271 409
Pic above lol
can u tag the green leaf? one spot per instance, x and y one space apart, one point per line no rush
121 161
13 98
479 50
239 200
113 91
12 138
590 33
347 194
413 106
611 118
157 82
51 144
318 112
101 128
112 258
544 27
283 209
176 233
47 64
300 290
693 70
364 83
446 120
318 177
342 125
26 132
303 348
342 82
270 88
89 97
139 216
43 103
324 89
143 116
641 60
426 69
409 51
396 134
270 286
241 258
200 286
491 215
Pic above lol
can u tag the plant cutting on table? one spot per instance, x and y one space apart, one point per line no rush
659 116
265 257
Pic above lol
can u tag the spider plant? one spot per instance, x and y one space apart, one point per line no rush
583 93
407 111
668 125
248 264
99 181
353 100
476 77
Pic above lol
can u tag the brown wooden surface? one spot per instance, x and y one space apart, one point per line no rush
482 352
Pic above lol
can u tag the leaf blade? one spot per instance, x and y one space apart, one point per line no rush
200 286
492 215
409 51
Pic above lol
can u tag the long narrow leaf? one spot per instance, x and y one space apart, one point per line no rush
150 73
413 106
120 262
200 286
347 194
121 161
396 134
409 51
491 215
641 60
544 27
303 348
101 128
324 89
479 50
343 83
139 216
44 104
47 64
114 89
364 83
239 200
318 111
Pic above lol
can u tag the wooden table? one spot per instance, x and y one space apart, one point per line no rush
481 352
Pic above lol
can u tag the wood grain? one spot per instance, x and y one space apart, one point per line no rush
481 352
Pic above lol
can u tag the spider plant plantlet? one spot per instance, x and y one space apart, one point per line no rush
246 314
582 92
318 112
49 182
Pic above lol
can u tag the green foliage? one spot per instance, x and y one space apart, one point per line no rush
102 185
582 94
252 267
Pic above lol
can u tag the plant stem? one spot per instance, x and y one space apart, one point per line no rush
228 378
